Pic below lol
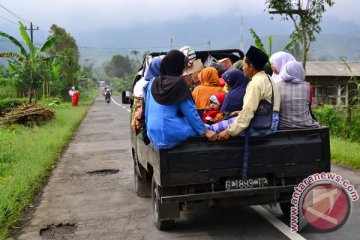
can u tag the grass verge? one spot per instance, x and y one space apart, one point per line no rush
27 156
345 153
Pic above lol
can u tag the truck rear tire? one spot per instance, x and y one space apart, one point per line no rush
156 205
141 182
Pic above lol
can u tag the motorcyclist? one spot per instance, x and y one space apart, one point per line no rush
107 95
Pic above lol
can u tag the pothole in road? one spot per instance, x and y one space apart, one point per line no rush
103 172
57 231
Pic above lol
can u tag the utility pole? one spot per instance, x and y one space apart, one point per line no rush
171 43
31 31
241 34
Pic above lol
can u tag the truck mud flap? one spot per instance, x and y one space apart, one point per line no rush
227 194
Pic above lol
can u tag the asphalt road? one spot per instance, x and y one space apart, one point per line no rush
90 196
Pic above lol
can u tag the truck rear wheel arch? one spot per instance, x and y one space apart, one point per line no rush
164 214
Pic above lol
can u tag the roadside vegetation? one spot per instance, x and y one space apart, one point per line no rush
344 132
37 76
42 77
28 154
345 153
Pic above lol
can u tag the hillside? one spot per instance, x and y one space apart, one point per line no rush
328 47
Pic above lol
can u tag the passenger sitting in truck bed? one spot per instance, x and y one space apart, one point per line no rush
295 98
261 87
212 113
220 69
170 113
209 85
277 61
140 88
236 83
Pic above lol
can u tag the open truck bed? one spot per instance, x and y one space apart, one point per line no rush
200 170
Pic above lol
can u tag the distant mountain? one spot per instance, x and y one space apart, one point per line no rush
336 39
328 47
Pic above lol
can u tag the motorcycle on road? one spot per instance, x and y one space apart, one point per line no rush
107 96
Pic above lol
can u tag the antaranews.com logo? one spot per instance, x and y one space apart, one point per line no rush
322 201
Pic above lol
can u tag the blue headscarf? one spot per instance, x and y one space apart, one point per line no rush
234 98
154 69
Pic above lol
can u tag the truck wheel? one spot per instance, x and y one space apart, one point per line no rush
156 205
286 208
142 186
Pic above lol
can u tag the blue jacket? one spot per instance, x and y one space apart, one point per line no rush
169 125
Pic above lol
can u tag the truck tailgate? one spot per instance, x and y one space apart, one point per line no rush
285 153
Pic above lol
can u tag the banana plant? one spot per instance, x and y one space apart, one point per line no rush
259 44
31 59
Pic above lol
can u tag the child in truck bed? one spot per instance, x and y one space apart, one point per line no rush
209 85
212 113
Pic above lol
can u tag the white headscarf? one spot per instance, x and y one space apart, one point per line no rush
278 59
292 71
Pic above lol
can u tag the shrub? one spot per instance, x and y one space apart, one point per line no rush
338 122
9 103
354 134
329 116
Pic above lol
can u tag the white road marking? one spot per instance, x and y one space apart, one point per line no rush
120 105
113 100
282 227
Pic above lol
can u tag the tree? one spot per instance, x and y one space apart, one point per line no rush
28 62
306 16
350 120
86 78
294 48
135 53
136 63
119 67
146 53
68 53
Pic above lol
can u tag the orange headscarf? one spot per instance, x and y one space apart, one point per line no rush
209 77
209 85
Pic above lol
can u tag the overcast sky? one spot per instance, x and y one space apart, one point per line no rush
83 15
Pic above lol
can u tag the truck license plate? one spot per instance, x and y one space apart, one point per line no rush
246 183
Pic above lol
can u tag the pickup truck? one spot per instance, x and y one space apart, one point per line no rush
200 170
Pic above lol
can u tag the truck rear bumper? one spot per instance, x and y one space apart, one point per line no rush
227 194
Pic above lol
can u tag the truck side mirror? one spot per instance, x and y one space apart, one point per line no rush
126 97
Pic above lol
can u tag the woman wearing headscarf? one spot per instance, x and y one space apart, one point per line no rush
237 82
277 61
209 85
170 113
295 98
140 88
154 69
